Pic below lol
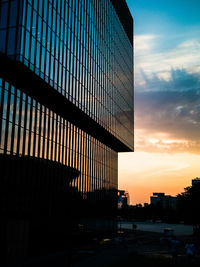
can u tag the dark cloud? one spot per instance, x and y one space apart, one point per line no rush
180 80
171 107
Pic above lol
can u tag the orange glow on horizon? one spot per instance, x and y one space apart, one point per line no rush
142 173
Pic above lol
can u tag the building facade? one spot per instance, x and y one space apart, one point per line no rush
123 199
163 201
66 94
195 181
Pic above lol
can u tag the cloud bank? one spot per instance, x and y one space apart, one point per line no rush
167 113
167 95
152 56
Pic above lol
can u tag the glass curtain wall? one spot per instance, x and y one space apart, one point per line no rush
28 128
81 49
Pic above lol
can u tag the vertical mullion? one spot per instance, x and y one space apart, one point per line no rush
73 52
88 59
80 161
77 55
66 56
76 27
7 28
78 155
30 126
39 135
56 133
48 134
7 119
35 129
54 58
18 38
74 150
19 123
31 24
45 55
25 21
63 141
72 146
83 159
63 47
70 48
44 133
90 163
49 140
69 155
59 140
91 63
86 159
94 165
50 42
36 34
84 155
66 143
59 63
84 57
52 138
1 107
41 55
81 56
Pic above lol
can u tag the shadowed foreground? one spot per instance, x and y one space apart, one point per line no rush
130 248
137 249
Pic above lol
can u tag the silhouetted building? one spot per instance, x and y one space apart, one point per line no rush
66 92
159 194
195 181
123 198
164 201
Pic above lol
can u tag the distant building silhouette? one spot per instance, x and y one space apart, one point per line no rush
66 93
164 201
123 198
195 181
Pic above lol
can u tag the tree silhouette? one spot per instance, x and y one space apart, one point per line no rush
189 204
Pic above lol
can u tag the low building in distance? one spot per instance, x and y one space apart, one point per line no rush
164 201
195 181
123 198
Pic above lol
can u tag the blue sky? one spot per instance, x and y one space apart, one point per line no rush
167 71
154 15
175 20
167 98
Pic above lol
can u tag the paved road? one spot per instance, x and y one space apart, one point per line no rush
179 229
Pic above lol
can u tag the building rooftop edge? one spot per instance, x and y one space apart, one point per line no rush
125 17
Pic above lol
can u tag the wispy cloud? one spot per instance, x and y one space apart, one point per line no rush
185 55
144 43
167 113
167 95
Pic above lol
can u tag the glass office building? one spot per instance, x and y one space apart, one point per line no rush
66 94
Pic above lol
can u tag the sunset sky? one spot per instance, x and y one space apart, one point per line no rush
167 99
